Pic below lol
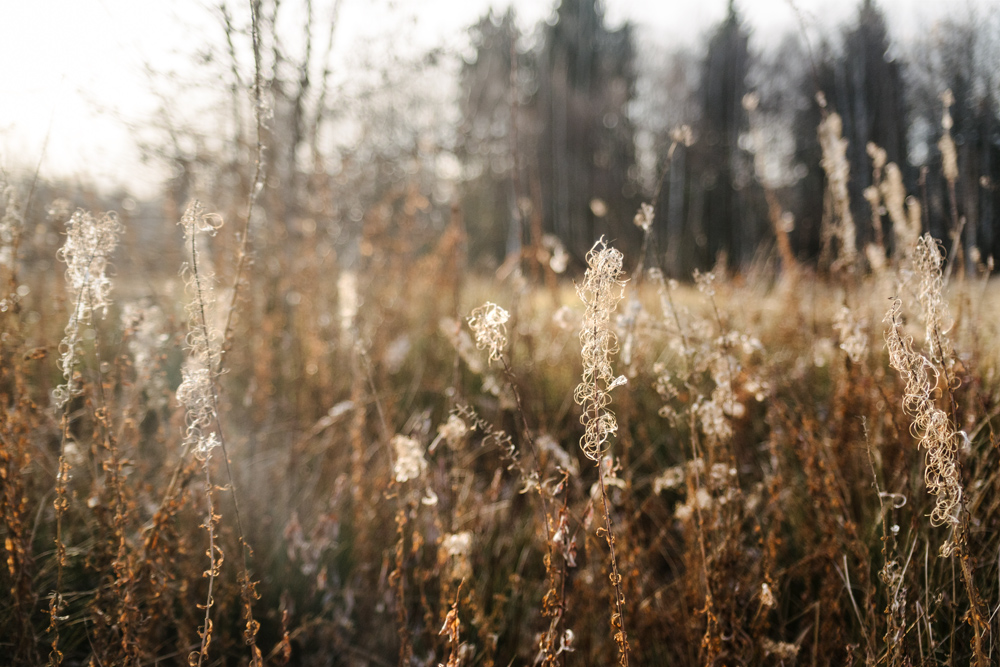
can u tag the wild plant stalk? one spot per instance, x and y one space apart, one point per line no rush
86 252
601 290
935 430
838 222
124 581
258 177
488 322
452 629
214 553
17 422
949 167
199 394
243 257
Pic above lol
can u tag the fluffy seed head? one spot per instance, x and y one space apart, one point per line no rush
928 261
601 290
90 241
489 323
931 426
410 462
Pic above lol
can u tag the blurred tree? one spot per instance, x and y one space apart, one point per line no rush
731 225
960 55
586 145
864 84
868 93
491 121
723 202
788 111
670 103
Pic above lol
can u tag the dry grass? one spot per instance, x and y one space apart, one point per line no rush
406 500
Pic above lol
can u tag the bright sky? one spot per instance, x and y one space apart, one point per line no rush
75 70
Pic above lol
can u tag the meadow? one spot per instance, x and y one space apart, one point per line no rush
412 463
266 433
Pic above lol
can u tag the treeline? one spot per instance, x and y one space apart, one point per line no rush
549 134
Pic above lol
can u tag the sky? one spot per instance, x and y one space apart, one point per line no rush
77 76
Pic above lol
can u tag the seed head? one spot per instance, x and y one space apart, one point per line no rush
489 323
601 290
410 462
89 244
931 426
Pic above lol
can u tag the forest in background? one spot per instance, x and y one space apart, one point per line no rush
728 127
550 136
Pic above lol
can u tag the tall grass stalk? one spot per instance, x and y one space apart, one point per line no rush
199 394
90 242
601 290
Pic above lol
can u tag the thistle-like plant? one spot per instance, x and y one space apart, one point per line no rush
931 425
90 241
489 323
934 429
601 290
203 433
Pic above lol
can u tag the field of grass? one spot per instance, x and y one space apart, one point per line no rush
387 464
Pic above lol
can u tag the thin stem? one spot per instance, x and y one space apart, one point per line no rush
255 187
202 324
618 621
206 634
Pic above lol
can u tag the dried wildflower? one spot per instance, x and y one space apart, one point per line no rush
850 330
701 500
197 389
714 423
780 650
931 425
720 474
11 224
456 548
196 221
566 642
669 479
877 154
894 195
601 290
488 322
348 300
89 244
837 168
453 430
927 261
705 282
202 338
196 394
949 156
410 462
766 596
562 458
644 218
610 482
146 325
